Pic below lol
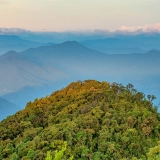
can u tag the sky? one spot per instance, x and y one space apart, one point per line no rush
79 15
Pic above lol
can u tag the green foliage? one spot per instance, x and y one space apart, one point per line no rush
98 120
15 157
154 153
30 154
49 157
59 154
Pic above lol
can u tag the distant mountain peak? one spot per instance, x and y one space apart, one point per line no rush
75 42
153 51
10 54
11 37
71 43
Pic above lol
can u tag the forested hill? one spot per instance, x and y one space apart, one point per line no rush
97 120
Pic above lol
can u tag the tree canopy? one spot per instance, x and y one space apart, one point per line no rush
97 120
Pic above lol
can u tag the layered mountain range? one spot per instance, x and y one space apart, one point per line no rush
37 72
10 42
125 44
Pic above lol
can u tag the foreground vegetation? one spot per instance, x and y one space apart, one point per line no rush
87 120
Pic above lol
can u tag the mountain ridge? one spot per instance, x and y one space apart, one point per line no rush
53 65
124 44
67 47
12 42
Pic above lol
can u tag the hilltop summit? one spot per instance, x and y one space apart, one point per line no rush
98 121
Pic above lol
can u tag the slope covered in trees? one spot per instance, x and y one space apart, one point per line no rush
97 120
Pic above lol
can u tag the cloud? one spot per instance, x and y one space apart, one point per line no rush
13 31
58 37
145 29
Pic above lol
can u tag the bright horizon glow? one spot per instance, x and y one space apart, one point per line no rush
80 15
